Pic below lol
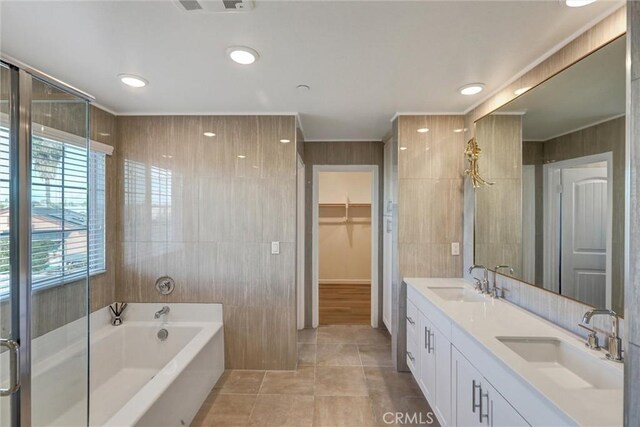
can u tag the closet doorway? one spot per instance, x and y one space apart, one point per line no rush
345 245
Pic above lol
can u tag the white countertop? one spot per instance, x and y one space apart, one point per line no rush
484 321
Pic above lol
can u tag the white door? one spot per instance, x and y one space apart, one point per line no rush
387 239
584 219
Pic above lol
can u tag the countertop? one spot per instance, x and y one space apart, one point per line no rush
484 321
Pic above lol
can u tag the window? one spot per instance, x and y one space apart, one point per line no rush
67 209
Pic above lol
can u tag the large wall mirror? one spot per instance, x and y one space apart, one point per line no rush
556 156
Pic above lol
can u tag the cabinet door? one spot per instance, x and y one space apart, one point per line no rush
467 393
502 414
442 349
413 358
427 360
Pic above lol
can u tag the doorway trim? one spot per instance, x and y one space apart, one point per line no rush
300 241
375 250
551 227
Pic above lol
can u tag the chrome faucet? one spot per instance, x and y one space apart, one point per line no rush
481 285
495 289
614 341
163 310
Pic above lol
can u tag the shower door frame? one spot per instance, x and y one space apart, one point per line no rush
20 295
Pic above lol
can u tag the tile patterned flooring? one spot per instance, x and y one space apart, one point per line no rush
344 378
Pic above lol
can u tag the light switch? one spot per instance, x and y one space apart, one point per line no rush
275 248
455 248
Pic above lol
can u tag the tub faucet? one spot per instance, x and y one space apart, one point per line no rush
163 310
615 343
481 285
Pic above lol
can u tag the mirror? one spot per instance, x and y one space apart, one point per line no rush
556 156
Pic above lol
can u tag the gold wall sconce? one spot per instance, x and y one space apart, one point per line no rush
472 152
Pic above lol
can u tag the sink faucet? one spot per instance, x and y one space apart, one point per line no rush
163 310
495 289
481 285
615 343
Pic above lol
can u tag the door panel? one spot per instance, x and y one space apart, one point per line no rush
584 235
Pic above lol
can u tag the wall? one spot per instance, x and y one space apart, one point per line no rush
338 153
344 246
632 290
498 226
192 209
600 138
562 311
429 206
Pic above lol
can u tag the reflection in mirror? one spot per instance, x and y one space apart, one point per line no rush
557 157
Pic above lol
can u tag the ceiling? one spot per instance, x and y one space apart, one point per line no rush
364 60
589 92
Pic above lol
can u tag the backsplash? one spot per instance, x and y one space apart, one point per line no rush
560 310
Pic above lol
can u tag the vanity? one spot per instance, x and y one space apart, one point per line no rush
482 361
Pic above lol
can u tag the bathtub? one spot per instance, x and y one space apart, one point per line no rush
136 379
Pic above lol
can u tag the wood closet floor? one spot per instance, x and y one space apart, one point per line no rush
345 304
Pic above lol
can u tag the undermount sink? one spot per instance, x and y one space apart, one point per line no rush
457 293
566 365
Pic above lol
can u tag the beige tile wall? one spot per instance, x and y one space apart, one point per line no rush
429 206
190 208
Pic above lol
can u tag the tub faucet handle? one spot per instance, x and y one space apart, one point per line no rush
163 310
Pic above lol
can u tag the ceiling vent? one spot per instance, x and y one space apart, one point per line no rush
214 6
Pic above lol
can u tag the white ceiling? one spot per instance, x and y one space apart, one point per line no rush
364 60
591 91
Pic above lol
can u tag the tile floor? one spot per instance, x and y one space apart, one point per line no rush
344 378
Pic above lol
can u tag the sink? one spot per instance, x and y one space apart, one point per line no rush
457 293
566 365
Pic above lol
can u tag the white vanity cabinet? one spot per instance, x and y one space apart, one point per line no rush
475 401
435 369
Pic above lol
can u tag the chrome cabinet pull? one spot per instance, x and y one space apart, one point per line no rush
431 347
474 405
389 206
426 339
388 226
411 356
410 320
14 369
482 416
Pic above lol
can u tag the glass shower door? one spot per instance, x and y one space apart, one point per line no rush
44 284
59 257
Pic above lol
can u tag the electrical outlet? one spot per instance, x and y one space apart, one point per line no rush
275 248
455 248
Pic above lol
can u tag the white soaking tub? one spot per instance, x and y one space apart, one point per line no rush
138 379
135 378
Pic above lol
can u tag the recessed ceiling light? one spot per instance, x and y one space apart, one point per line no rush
403 148
209 134
578 3
459 130
242 156
167 156
133 80
522 90
303 88
255 166
471 89
104 134
285 141
423 130
242 55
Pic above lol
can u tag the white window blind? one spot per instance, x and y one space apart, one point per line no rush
68 209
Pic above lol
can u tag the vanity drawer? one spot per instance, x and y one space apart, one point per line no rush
412 322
